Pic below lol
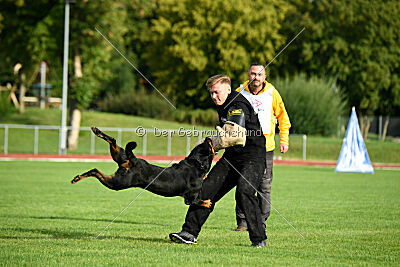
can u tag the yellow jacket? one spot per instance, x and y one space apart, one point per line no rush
278 114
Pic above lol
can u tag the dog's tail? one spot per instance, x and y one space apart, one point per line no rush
128 150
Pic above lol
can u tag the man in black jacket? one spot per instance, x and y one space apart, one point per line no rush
242 164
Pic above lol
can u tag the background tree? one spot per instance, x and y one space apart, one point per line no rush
139 16
190 40
389 102
34 32
182 43
353 41
91 55
27 38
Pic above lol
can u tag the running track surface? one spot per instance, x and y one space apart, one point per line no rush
161 159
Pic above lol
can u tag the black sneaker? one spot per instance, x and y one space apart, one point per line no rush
183 237
260 244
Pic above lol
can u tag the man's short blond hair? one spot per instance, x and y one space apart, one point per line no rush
219 78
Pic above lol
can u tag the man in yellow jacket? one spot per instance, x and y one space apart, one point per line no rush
268 105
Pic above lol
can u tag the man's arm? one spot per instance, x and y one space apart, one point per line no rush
283 120
233 132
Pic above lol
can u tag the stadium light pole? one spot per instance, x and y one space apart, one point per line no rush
63 132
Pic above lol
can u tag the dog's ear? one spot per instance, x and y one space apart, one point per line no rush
128 150
130 146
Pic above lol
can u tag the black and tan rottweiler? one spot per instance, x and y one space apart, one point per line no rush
181 179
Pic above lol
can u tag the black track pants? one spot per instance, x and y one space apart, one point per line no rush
222 178
263 195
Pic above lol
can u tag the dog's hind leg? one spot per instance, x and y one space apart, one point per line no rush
103 178
103 136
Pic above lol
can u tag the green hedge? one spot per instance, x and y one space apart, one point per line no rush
139 103
207 117
313 104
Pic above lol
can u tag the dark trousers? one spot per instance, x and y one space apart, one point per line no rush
222 178
263 194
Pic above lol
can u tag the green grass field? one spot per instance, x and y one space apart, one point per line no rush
351 219
318 148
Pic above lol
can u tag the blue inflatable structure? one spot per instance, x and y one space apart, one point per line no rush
353 155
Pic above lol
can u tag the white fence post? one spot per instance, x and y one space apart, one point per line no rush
119 138
304 146
200 136
92 145
59 141
169 144
187 144
144 144
6 139
36 141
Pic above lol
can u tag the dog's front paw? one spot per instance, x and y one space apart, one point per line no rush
76 179
206 203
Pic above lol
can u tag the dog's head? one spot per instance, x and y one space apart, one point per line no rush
203 154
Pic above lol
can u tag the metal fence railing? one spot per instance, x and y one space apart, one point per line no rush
49 142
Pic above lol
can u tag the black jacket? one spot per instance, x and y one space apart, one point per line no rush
255 140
